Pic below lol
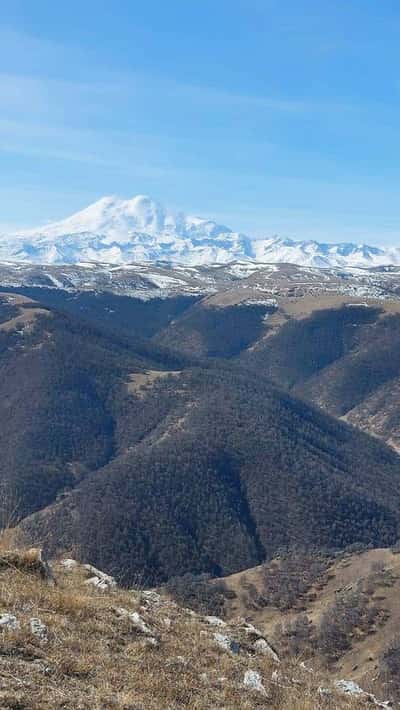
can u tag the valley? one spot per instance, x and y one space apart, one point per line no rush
173 423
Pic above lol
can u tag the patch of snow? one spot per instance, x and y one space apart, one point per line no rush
349 687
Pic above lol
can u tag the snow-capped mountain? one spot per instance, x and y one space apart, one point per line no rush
125 231
118 231
312 253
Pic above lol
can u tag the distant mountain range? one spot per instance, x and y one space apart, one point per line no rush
118 231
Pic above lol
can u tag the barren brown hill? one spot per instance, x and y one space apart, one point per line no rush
340 614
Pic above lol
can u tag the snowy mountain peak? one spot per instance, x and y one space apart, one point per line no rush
324 255
119 231
110 217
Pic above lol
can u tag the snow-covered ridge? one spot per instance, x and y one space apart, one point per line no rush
320 255
118 231
245 281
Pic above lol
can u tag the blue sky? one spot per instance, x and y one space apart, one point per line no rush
274 117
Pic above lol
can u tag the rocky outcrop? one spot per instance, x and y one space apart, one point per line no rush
30 561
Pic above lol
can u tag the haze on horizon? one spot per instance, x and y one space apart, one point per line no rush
271 117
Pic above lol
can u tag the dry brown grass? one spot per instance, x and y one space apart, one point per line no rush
140 382
94 658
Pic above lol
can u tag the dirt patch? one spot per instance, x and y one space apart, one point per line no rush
28 311
25 318
140 382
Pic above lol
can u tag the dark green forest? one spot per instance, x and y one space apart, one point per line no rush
209 469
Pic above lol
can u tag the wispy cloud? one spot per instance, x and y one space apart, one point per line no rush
69 119
42 141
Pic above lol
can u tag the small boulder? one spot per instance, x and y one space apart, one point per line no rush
262 646
28 561
214 621
251 630
9 622
99 583
349 687
253 681
324 692
226 643
137 621
152 641
105 580
38 628
139 624
150 597
69 564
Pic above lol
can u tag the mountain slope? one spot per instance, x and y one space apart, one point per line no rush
320 255
227 458
231 283
77 645
118 231
339 613
122 231
344 360
147 463
60 381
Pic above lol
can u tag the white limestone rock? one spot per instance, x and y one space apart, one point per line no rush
349 687
69 564
226 643
38 628
253 681
9 622
137 622
215 621
262 647
150 597
105 580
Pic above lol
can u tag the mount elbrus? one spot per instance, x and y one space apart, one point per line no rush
119 231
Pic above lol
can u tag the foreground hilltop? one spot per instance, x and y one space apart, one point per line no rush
71 638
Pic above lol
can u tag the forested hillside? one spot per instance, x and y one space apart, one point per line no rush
205 330
151 463
345 360
214 470
59 384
